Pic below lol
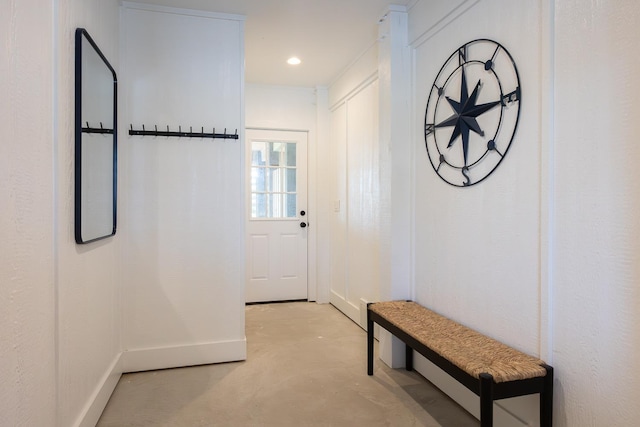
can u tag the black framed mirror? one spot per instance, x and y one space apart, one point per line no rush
96 109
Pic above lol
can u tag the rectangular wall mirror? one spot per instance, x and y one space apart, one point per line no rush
95 142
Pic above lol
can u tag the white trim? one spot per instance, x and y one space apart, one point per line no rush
341 303
443 22
415 147
280 87
311 208
547 179
148 359
392 8
242 167
346 69
181 11
365 83
411 4
57 200
321 153
463 396
277 129
313 217
91 412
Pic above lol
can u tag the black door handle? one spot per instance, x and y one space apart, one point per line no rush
303 224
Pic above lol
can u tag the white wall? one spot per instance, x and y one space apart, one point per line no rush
60 331
27 282
280 107
353 176
184 246
482 243
596 199
88 276
543 254
477 249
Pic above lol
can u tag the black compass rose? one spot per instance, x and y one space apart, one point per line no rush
487 63
465 114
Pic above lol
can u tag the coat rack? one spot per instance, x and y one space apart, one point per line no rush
180 133
101 129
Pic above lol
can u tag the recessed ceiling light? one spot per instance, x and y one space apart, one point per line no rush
293 61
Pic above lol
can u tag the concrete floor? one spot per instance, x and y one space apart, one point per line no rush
306 366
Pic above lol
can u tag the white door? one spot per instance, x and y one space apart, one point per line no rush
277 226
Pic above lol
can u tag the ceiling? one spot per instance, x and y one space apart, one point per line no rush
327 35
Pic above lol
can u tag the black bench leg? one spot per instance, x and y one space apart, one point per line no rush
486 400
369 343
546 399
408 358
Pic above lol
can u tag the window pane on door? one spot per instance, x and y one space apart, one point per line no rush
273 179
290 186
258 205
258 153
291 154
291 205
258 180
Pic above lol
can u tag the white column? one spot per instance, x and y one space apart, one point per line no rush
395 168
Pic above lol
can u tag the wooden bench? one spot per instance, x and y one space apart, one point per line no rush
490 369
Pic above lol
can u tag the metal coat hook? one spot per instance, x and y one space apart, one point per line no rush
101 129
180 133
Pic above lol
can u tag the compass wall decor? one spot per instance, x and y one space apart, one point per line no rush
472 112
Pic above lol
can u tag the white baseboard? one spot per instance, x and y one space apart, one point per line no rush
98 401
516 412
350 310
186 355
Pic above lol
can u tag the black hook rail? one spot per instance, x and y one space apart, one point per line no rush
101 129
180 133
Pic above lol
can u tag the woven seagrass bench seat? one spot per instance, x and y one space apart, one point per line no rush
489 368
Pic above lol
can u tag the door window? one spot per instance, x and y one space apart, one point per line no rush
273 179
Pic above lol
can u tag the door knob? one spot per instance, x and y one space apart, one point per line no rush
303 224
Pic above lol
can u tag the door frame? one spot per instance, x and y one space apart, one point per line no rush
312 206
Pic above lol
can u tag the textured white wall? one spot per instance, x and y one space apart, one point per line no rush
544 254
27 284
596 298
477 249
88 276
52 290
184 225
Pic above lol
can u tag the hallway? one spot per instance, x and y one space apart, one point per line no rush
306 366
